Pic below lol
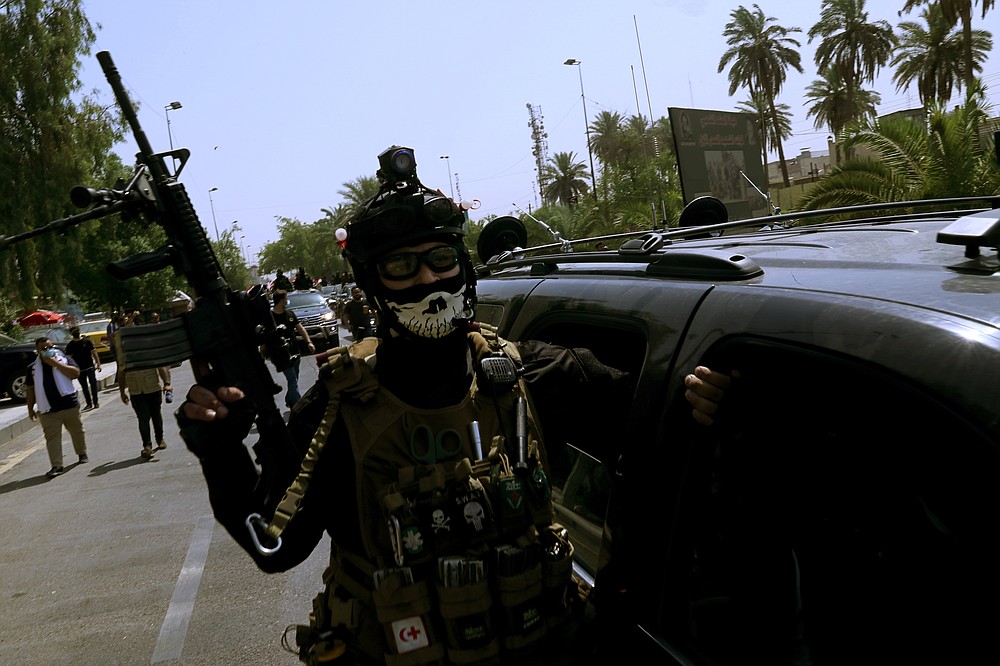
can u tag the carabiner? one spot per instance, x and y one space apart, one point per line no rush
253 520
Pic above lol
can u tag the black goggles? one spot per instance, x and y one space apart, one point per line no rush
405 265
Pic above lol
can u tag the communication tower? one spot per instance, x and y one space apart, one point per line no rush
539 142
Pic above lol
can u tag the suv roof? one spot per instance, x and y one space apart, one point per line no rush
857 455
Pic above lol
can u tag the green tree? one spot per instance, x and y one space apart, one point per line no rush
955 11
852 49
761 54
291 249
834 106
229 254
606 137
777 131
935 56
565 179
325 258
49 142
913 160
357 192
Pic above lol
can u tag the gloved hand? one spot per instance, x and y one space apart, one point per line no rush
215 421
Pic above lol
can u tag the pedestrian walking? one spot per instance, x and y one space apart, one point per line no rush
82 351
144 391
50 385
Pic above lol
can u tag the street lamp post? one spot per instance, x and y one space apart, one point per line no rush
586 123
173 106
237 227
448 164
212 204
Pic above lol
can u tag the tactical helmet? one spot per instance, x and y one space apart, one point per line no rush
403 213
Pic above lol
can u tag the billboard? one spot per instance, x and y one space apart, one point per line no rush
719 154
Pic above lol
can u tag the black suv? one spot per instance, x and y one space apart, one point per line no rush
846 507
315 315
16 355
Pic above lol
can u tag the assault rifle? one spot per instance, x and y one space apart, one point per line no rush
223 333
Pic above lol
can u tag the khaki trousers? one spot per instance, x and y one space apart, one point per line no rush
52 425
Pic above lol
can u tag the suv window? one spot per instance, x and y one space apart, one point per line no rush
838 515
581 484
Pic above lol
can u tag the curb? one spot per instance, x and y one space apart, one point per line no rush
20 426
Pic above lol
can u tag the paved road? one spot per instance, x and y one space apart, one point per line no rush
119 561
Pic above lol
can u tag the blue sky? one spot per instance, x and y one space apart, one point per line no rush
283 102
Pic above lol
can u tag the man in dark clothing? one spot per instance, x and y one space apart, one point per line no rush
83 352
292 329
412 408
358 315
50 384
282 282
302 280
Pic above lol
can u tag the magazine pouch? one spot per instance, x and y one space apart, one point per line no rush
519 591
468 625
558 589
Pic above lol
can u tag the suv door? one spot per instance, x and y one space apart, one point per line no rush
629 324
845 510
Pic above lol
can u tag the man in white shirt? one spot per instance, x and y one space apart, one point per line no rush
50 384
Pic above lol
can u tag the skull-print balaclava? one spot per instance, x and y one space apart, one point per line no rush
405 213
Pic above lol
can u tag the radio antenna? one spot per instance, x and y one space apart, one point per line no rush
767 197
564 244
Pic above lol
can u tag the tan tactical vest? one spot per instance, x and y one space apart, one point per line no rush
462 562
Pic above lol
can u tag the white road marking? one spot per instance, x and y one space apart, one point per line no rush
12 460
170 644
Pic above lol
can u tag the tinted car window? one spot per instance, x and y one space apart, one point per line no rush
581 483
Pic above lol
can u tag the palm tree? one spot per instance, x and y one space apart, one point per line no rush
851 46
913 160
954 11
935 57
831 107
565 179
356 192
761 55
606 137
776 132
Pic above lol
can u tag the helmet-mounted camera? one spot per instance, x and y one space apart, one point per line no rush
403 212
397 164
382 240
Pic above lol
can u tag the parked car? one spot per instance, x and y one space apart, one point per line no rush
97 331
17 354
316 317
846 508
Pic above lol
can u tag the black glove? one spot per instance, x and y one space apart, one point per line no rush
219 437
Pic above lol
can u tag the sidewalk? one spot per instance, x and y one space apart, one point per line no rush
14 420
